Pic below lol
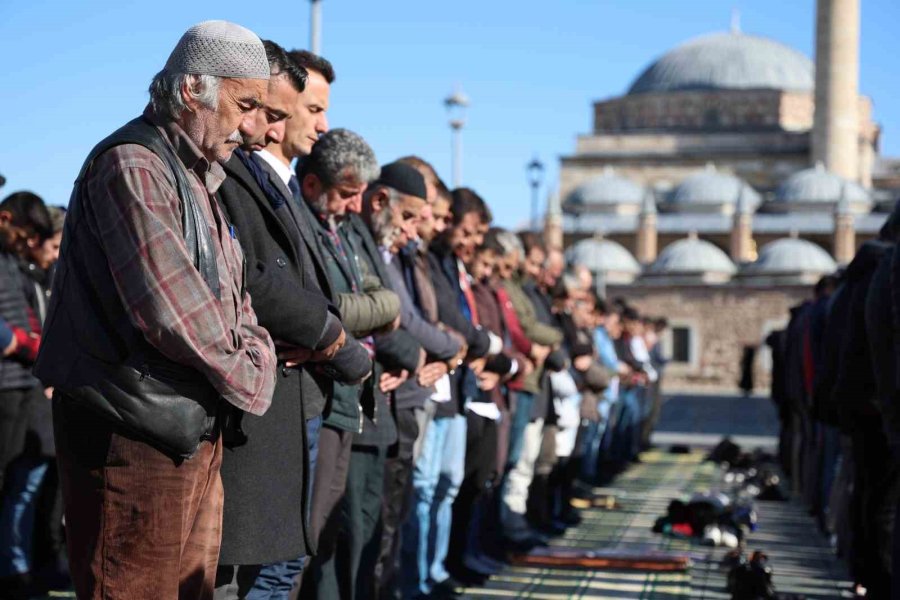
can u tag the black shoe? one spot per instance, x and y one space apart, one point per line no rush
448 588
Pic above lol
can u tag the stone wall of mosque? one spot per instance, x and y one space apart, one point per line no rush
714 324
713 110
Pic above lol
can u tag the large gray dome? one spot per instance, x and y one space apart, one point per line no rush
710 190
606 257
792 256
692 256
728 61
817 186
609 192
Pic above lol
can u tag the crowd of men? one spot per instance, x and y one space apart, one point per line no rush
835 383
280 369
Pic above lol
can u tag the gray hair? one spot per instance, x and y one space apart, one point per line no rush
338 154
510 243
165 92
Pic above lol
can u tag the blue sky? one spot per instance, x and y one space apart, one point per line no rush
74 71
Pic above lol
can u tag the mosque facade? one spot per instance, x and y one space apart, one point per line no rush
723 184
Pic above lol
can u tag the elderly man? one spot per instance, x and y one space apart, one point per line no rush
266 470
331 180
150 331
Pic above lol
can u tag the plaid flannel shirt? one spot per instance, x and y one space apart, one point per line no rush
135 213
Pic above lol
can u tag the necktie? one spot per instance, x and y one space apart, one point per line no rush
294 186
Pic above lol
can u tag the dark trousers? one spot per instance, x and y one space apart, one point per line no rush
876 487
481 470
139 524
359 541
324 519
397 502
14 415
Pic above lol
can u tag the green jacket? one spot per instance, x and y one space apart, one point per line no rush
363 313
534 330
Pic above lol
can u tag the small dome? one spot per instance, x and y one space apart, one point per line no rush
728 61
710 190
818 188
605 193
692 256
792 256
605 257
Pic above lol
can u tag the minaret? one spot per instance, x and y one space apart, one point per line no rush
553 231
647 240
835 135
743 249
844 242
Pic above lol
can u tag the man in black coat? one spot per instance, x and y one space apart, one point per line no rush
265 470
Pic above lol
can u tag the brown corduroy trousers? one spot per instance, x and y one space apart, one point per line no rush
139 524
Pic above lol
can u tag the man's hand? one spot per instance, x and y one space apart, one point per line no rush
329 352
391 380
583 363
526 367
488 381
13 344
477 365
295 356
430 373
392 326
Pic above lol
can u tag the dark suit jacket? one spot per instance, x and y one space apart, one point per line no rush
266 480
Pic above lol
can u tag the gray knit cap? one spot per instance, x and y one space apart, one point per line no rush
220 48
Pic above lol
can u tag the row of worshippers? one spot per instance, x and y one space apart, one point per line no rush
836 388
332 379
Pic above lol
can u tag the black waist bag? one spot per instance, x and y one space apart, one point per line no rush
170 406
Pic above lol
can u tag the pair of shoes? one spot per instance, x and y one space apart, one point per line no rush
481 564
448 588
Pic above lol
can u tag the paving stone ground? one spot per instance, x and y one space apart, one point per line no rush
800 556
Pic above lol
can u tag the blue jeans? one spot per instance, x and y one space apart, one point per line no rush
626 436
17 515
276 580
434 490
524 402
592 436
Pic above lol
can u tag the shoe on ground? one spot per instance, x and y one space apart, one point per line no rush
448 588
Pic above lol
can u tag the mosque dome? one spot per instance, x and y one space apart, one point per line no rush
791 257
817 188
710 190
730 60
605 257
609 192
693 257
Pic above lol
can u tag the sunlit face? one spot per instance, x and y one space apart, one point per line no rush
440 211
308 120
613 325
534 263
507 265
272 120
554 265
217 133
334 201
482 265
397 223
465 236
44 254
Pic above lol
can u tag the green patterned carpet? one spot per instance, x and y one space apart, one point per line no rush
798 553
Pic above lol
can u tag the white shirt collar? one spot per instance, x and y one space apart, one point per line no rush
283 170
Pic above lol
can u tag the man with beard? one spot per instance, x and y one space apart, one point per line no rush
150 331
266 470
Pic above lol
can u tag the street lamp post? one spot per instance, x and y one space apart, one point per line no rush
315 26
456 105
535 171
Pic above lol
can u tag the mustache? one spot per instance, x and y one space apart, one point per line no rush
236 137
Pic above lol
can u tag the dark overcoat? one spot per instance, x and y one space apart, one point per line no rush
266 480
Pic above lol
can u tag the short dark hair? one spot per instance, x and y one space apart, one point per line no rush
430 174
465 201
282 64
491 243
600 304
631 314
530 241
29 211
313 62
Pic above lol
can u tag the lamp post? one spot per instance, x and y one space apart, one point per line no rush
535 171
456 104
315 26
